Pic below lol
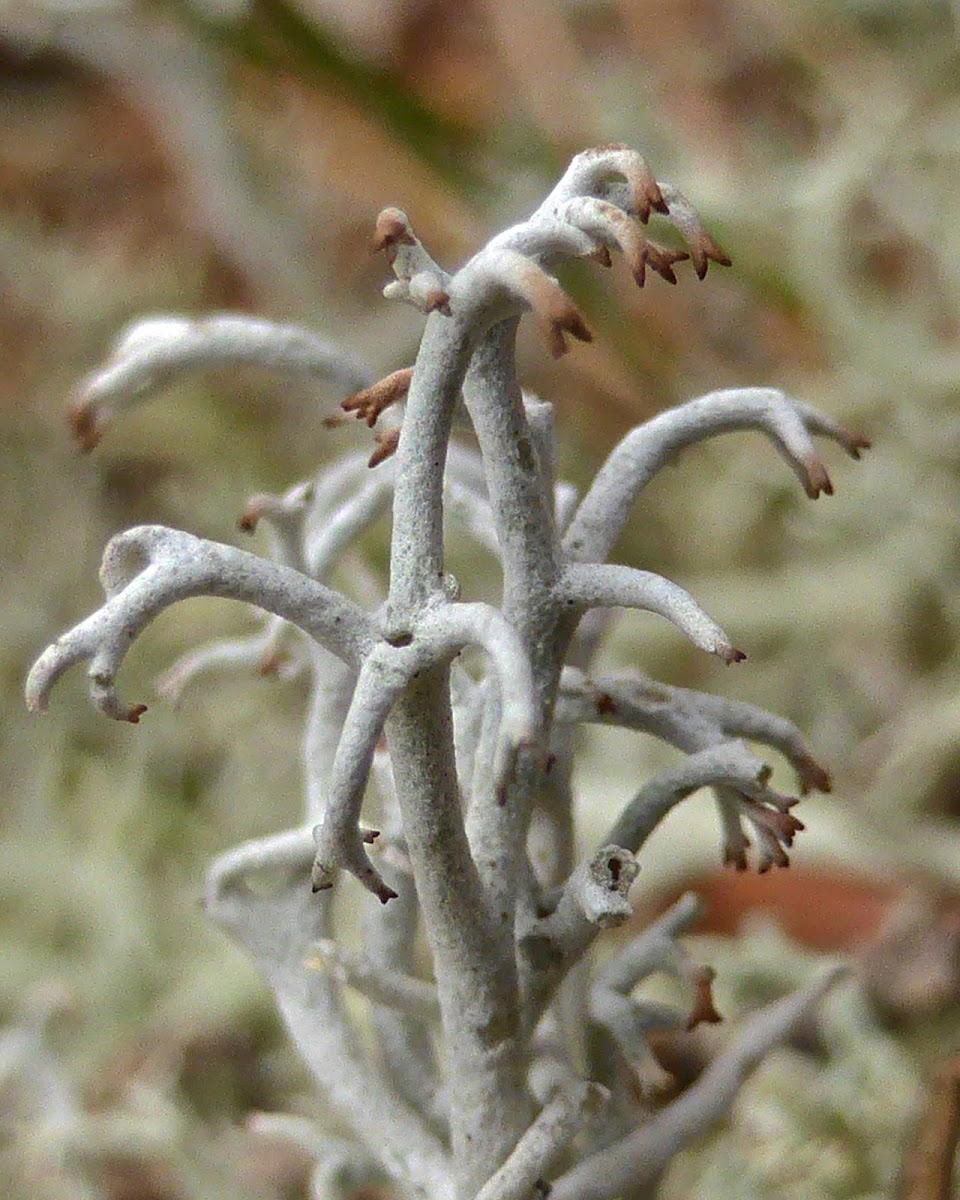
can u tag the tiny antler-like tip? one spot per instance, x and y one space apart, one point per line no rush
82 419
704 250
854 442
731 655
704 1011
813 777
386 443
250 517
816 479
368 404
134 713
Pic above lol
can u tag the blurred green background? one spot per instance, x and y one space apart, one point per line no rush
215 155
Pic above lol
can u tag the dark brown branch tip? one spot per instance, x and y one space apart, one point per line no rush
570 322
662 259
134 713
271 662
605 704
368 404
83 427
704 250
334 421
387 442
854 442
370 835
385 894
816 478
704 1010
813 777
248 520
731 655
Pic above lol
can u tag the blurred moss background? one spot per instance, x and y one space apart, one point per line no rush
220 154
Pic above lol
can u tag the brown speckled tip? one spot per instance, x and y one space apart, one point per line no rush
386 443
84 430
731 655
704 1011
368 404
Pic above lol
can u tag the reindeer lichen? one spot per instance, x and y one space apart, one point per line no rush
479 1084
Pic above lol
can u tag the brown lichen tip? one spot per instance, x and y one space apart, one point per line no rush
392 230
660 259
134 713
270 662
387 441
560 316
730 655
812 776
645 190
383 893
815 478
334 420
853 442
704 250
248 520
633 167
368 404
704 1011
84 428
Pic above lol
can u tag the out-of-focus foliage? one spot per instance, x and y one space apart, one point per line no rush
232 155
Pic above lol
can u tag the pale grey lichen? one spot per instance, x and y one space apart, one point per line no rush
481 1091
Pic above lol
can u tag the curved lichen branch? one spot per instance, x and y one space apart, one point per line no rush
729 764
684 718
406 993
654 951
265 653
455 626
788 423
419 280
590 170
685 218
385 674
278 926
640 1158
327 539
601 585
501 282
443 631
615 229
564 1115
153 352
149 568
284 514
